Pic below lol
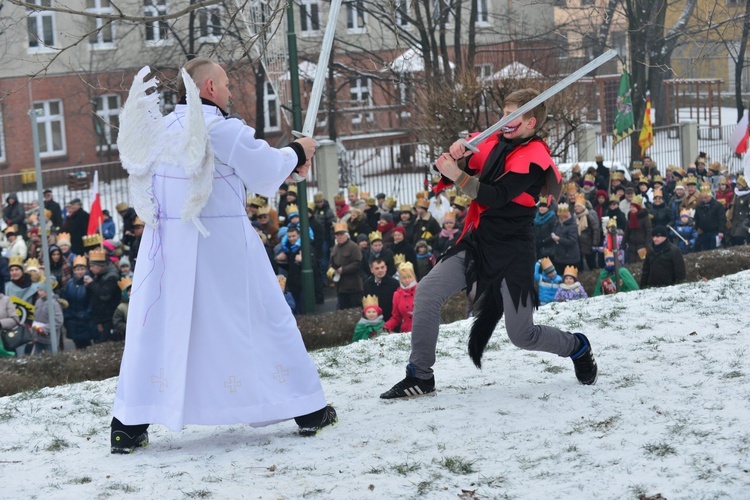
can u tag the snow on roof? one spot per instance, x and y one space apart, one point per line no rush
516 70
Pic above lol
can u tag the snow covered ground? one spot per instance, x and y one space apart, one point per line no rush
669 415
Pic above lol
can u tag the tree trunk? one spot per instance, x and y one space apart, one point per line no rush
260 112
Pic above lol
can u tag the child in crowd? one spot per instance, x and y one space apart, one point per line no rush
448 234
606 283
120 317
287 295
371 323
571 288
547 280
685 227
403 300
425 258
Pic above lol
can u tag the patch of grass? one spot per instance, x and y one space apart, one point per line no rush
733 374
57 444
204 493
661 449
375 470
125 488
81 480
626 381
554 369
406 467
458 465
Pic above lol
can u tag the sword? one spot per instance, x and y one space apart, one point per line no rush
320 76
679 235
472 143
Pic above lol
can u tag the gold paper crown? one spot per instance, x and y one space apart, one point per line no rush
589 177
449 216
421 195
638 200
546 264
706 189
399 258
371 202
614 197
422 203
581 200
462 201
391 202
80 260
318 197
15 260
722 201
292 208
339 227
406 268
91 240
32 264
370 300
282 281
636 174
576 168
364 194
618 175
63 238
643 180
562 208
124 283
741 181
264 210
311 205
291 189
658 192
375 236
612 222
138 222
608 254
571 188
691 179
97 255
352 190
451 193
657 178
11 229
543 200
405 208
339 198
258 202
680 184
571 271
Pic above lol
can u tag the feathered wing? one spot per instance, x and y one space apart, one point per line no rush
140 141
199 158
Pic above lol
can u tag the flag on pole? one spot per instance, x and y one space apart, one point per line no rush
624 122
740 136
95 215
646 138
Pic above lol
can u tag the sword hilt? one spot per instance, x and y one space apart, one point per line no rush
469 146
298 135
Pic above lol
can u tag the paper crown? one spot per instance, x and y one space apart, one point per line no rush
318 197
608 254
576 168
124 283
571 188
722 201
352 190
543 201
15 260
562 208
435 179
612 222
370 301
637 200
706 189
449 216
340 227
63 239
421 195
80 260
636 173
364 194
461 201
613 198
32 265
138 222
405 208
589 179
643 180
97 255
91 240
617 176
376 236
546 265
741 181
406 268
292 209
658 192
282 281
680 185
291 189
691 179
257 202
399 258
339 199
422 203
11 229
451 193
391 202
571 271
371 202
581 200
657 178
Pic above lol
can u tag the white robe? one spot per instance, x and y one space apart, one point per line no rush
210 338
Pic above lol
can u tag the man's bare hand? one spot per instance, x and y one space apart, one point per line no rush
446 164
308 143
458 150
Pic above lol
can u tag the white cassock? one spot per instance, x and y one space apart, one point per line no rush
210 338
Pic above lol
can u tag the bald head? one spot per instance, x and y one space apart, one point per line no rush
211 80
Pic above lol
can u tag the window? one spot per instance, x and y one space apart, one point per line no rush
156 30
41 27
361 97
441 10
3 158
209 24
484 71
271 110
355 16
588 2
483 13
402 13
167 101
50 125
734 3
102 32
309 13
108 121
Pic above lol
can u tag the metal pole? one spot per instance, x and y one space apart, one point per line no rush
43 229
308 291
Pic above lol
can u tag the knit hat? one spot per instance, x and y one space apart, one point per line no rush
589 180
361 237
601 193
400 229
660 231
386 217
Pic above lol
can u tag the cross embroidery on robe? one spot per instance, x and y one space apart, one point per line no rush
280 372
232 384
163 384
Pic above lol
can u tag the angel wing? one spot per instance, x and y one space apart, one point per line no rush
140 141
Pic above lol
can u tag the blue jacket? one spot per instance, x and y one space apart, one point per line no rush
547 288
108 229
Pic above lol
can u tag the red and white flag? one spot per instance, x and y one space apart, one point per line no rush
740 136
95 215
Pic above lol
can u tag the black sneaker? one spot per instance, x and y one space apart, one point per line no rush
584 362
123 443
312 423
411 386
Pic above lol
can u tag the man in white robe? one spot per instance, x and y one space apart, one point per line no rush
210 338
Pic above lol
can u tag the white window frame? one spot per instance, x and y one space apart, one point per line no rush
38 17
438 5
46 121
211 14
156 8
270 102
403 92
360 92
402 10
356 13
106 114
484 71
483 13
96 39
3 155
306 9
167 101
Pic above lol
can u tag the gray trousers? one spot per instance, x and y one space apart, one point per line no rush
447 278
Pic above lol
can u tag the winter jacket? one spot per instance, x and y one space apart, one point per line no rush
108 229
425 262
426 229
605 284
349 258
403 309
18 247
78 323
120 320
567 293
710 217
366 329
41 316
661 215
105 295
407 250
592 235
547 288
77 225
15 214
543 227
688 233
663 266
639 237
8 316
739 213
567 249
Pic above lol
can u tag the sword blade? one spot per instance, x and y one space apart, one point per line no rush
553 90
